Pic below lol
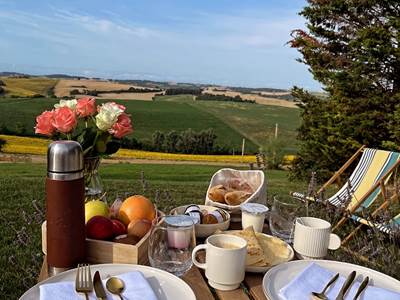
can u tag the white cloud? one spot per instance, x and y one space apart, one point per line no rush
105 26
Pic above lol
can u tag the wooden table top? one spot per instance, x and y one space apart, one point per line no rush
250 288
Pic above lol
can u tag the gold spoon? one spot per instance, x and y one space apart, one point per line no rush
115 286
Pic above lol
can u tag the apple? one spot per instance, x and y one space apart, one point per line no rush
118 227
95 208
99 228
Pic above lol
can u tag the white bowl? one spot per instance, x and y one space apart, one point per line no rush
205 230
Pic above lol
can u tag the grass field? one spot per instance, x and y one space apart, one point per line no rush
231 121
28 87
23 183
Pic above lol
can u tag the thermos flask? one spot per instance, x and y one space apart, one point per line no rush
65 211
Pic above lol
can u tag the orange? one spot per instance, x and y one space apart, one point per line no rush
136 207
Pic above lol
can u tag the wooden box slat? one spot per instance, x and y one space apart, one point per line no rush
102 252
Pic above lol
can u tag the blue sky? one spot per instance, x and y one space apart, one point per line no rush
209 41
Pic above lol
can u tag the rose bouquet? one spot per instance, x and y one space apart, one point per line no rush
96 128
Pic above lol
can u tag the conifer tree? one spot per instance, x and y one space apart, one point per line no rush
352 49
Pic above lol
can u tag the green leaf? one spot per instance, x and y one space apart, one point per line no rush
112 147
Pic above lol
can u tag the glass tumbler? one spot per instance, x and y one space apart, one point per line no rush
171 242
282 219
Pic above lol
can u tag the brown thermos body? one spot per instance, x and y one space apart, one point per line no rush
65 211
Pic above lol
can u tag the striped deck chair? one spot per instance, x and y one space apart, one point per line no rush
367 181
386 228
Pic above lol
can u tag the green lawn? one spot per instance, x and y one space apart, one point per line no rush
22 183
256 121
231 121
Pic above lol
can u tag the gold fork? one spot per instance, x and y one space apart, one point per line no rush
83 281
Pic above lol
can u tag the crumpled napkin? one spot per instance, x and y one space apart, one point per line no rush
136 288
314 278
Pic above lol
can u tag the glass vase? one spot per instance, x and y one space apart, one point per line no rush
93 183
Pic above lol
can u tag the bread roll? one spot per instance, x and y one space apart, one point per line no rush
238 184
236 197
217 193
213 217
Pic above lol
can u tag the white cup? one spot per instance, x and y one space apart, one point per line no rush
253 214
225 267
313 238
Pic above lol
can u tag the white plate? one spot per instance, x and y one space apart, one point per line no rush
205 230
280 275
165 285
253 269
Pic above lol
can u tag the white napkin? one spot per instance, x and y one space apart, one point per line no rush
314 278
136 288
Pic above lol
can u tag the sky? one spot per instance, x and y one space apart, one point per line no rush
226 42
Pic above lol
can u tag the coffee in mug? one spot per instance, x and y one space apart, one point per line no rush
313 238
228 246
225 261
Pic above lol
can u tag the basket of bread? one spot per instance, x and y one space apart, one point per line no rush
230 188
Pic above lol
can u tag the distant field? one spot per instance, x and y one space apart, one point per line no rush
266 99
231 121
64 86
28 87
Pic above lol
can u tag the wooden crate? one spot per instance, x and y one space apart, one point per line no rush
101 252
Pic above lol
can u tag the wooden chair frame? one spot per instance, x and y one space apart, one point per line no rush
380 183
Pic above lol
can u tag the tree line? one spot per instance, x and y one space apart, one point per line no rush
183 91
185 142
213 97
120 91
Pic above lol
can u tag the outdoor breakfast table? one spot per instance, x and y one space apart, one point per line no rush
251 287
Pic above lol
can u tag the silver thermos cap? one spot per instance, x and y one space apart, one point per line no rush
64 160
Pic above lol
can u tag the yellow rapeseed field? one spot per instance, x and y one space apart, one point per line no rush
26 145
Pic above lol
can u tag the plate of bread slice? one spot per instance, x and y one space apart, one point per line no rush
263 251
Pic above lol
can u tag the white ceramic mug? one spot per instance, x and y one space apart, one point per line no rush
313 238
225 267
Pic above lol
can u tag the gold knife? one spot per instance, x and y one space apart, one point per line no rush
346 285
98 287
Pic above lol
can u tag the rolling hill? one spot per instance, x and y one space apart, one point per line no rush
28 87
231 121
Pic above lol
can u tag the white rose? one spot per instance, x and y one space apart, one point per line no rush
108 115
68 103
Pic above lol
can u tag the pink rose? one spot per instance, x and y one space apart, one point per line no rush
44 123
118 105
86 106
122 127
64 119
